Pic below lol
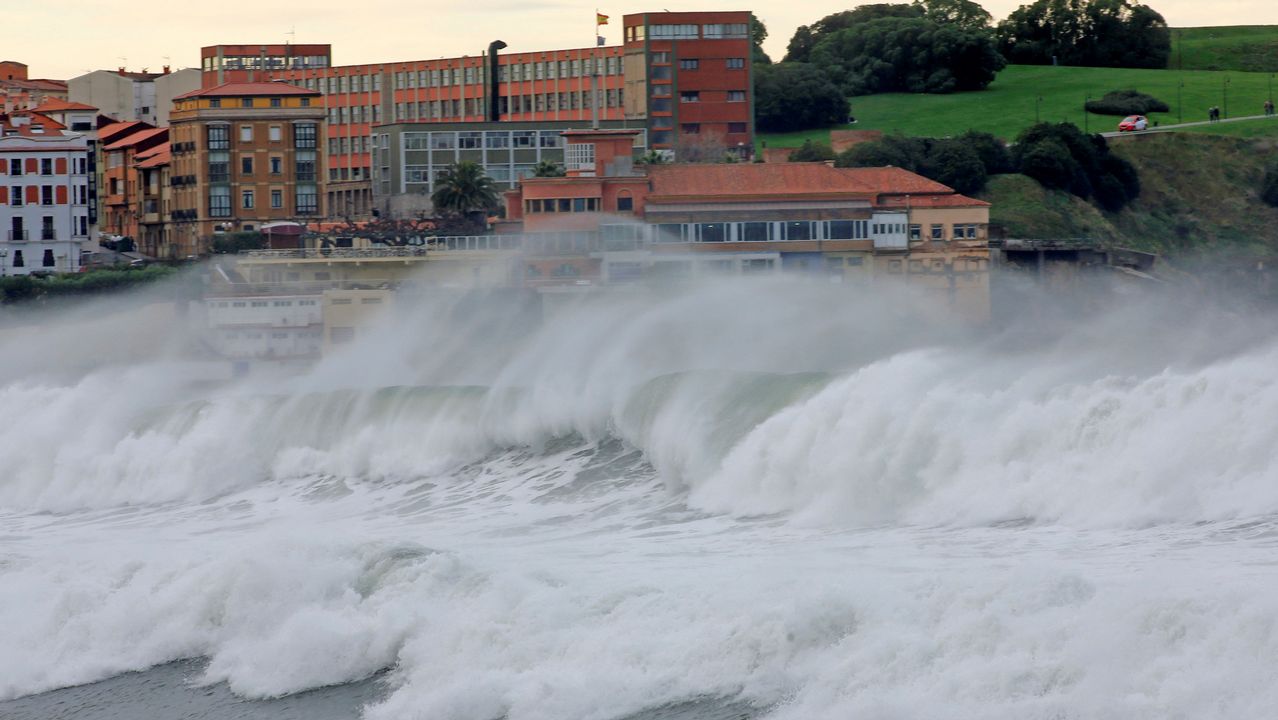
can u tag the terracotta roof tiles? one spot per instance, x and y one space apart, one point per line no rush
675 183
136 138
60 105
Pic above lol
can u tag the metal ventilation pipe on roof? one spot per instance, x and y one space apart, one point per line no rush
494 108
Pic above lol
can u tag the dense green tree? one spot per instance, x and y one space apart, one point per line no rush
796 96
548 168
908 153
954 163
908 55
1061 156
1094 33
758 33
812 151
465 190
964 14
806 37
991 150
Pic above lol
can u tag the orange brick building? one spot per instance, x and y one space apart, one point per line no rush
685 76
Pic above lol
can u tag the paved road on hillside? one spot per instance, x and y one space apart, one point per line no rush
1166 128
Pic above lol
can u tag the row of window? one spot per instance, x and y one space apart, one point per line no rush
663 58
688 31
738 231
563 205
936 232
44 166
20 195
306 201
20 261
261 303
270 62
18 231
219 136
248 102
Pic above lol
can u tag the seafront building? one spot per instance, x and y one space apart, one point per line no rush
683 77
244 155
44 195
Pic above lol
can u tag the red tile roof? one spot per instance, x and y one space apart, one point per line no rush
60 105
689 183
155 157
136 138
253 89
115 131
936 201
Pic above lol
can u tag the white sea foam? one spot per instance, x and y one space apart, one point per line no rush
651 500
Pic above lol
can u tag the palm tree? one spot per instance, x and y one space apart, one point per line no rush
548 168
464 189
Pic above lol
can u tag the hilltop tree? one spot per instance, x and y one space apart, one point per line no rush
1061 156
954 162
812 151
806 37
963 14
796 96
758 33
908 55
1092 33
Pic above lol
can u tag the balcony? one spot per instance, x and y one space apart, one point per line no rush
47 234
17 236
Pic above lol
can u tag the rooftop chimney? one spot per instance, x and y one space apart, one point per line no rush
166 69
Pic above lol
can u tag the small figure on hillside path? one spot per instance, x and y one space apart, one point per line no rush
1269 107
1213 114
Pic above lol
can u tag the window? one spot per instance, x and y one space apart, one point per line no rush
306 102
304 135
219 137
47 260
579 156
246 133
277 199
15 196
690 128
736 96
246 165
625 203
275 133
46 166
938 232
15 167
277 165
736 63
736 127
246 102
215 102
246 199
46 194
713 232
673 31
754 232
916 232
275 102
725 30
18 260
307 201
219 205
689 64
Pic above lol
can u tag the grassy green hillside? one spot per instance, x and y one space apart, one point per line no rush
1199 193
1012 102
1251 48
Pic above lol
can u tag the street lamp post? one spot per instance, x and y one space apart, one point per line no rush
1225 94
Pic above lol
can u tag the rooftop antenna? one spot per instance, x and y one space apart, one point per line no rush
292 34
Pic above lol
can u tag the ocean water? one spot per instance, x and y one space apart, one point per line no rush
749 500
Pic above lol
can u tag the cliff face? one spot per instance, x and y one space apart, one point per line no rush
1199 195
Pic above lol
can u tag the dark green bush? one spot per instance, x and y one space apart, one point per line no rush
812 151
1126 102
1062 157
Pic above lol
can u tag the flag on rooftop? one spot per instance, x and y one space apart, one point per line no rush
601 19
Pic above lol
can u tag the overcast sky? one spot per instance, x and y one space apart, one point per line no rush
62 40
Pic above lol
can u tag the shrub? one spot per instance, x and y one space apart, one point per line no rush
812 151
796 96
956 162
1060 156
235 242
1126 102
